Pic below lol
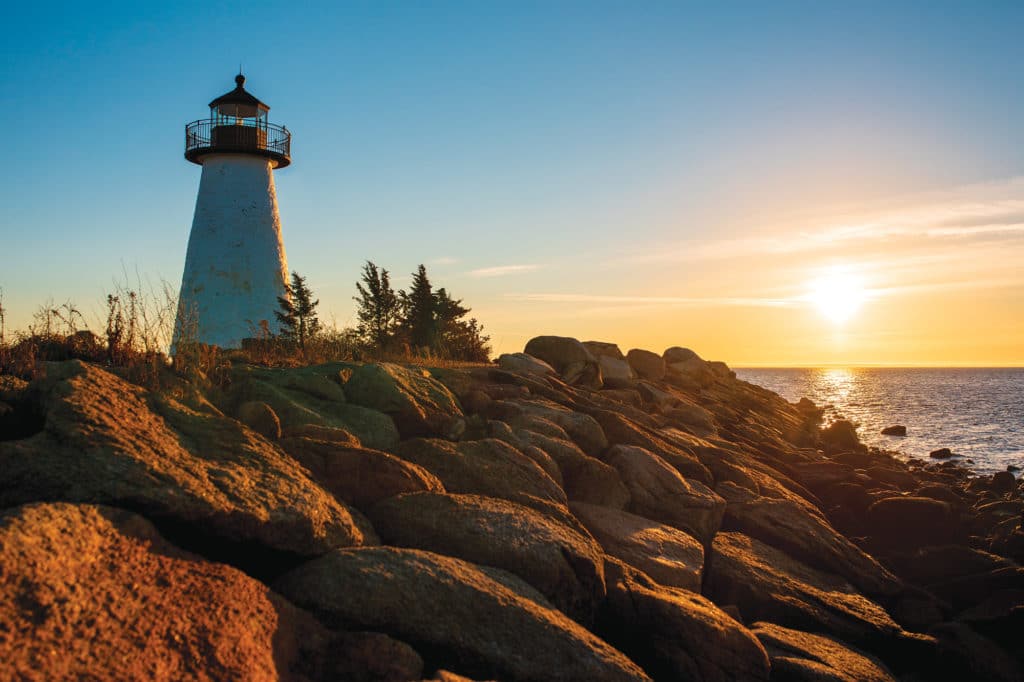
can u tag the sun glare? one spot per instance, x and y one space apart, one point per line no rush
837 294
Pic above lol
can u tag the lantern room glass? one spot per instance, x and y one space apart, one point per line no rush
239 114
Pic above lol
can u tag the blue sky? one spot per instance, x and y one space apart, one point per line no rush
528 153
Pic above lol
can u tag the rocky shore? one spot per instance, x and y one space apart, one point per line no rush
569 513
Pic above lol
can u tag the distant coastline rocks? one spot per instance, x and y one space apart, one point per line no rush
895 430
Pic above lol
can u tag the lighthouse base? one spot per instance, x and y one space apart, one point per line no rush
235 267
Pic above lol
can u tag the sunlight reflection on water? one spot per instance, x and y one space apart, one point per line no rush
834 383
978 413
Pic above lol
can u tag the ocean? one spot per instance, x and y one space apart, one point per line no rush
976 413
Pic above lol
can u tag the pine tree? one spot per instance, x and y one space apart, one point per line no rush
378 307
459 339
419 311
298 311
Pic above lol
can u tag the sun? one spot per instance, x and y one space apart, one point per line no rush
837 294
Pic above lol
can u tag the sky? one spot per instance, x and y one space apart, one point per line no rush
786 183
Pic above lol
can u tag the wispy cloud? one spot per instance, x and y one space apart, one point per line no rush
444 260
664 301
992 211
502 270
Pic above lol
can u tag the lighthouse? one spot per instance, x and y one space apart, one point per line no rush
235 266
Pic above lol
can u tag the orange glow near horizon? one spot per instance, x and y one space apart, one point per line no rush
922 280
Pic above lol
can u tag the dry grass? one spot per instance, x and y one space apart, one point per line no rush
138 329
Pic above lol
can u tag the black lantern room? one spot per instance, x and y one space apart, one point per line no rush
238 125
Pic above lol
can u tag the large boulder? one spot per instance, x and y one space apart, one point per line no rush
667 555
261 418
307 396
686 364
897 521
604 348
693 418
802 656
483 467
419 404
802 532
646 364
581 428
615 371
474 621
656 397
659 492
584 478
359 476
502 431
677 634
942 564
966 655
562 564
569 357
206 476
92 592
678 354
766 584
623 431
521 363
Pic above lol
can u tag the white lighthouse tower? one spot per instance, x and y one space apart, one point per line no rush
235 267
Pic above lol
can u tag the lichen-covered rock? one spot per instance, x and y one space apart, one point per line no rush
302 398
803 533
502 431
261 418
615 371
359 476
584 478
685 364
659 492
110 442
419 404
91 592
677 634
646 364
768 585
920 521
564 565
521 363
803 656
476 622
964 654
679 354
622 431
693 417
483 467
581 428
569 357
667 555
329 434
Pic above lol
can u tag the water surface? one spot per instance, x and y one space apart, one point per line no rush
977 413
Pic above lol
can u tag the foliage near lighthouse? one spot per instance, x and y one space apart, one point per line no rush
422 319
297 315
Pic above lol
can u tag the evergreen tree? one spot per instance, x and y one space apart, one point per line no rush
298 311
419 318
459 339
378 311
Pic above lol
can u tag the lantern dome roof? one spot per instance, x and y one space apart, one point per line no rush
239 97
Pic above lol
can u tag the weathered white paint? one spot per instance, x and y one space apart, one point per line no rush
235 267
